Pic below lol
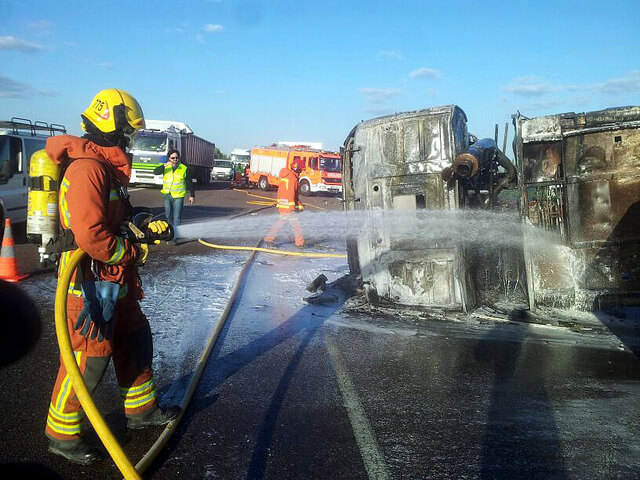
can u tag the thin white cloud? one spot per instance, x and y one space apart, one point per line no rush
561 102
106 65
43 26
392 54
9 88
211 28
176 30
526 90
628 83
379 112
544 105
379 95
8 42
425 73
527 79
200 38
534 87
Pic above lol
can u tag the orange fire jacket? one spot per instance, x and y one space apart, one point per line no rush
288 192
91 207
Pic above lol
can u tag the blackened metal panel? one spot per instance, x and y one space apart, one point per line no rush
596 252
397 164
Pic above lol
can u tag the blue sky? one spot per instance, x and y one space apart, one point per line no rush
244 73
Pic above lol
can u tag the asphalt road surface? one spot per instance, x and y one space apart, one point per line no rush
325 391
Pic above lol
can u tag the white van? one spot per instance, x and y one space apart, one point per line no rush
222 170
19 139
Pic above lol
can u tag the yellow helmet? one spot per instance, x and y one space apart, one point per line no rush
115 111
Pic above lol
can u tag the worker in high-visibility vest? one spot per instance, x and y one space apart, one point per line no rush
288 204
176 181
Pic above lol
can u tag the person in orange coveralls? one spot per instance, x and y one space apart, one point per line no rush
104 316
288 203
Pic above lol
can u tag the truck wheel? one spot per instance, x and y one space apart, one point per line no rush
263 183
201 177
305 188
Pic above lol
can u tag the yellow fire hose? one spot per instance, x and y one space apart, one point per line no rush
254 195
273 199
69 360
77 382
168 431
271 250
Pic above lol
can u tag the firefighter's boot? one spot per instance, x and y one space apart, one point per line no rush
158 416
76 451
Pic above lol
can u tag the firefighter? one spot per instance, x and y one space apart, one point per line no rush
288 204
104 316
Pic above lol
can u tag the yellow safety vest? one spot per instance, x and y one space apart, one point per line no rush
174 181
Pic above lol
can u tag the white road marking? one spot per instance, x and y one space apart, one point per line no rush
365 437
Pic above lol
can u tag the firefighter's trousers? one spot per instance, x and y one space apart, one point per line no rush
295 225
132 350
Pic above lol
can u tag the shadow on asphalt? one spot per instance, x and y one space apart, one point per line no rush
307 320
619 323
521 438
610 309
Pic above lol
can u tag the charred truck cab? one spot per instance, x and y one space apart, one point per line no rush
395 164
580 199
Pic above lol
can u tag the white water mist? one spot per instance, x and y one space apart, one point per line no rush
489 228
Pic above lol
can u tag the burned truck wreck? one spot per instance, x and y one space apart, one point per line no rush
580 188
417 186
402 173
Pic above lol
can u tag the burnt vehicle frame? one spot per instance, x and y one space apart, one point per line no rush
580 201
393 164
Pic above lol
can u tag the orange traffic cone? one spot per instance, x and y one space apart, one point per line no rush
8 261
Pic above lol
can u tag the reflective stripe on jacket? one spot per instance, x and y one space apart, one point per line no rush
91 207
288 192
174 181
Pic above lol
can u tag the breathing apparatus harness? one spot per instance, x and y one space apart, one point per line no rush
43 221
99 296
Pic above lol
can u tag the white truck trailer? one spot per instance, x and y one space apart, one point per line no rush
152 144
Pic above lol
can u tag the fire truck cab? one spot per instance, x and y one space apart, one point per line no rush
320 170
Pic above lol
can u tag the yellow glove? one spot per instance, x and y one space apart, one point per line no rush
159 226
143 253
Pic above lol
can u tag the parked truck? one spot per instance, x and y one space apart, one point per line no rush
152 144
240 156
320 170
19 139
